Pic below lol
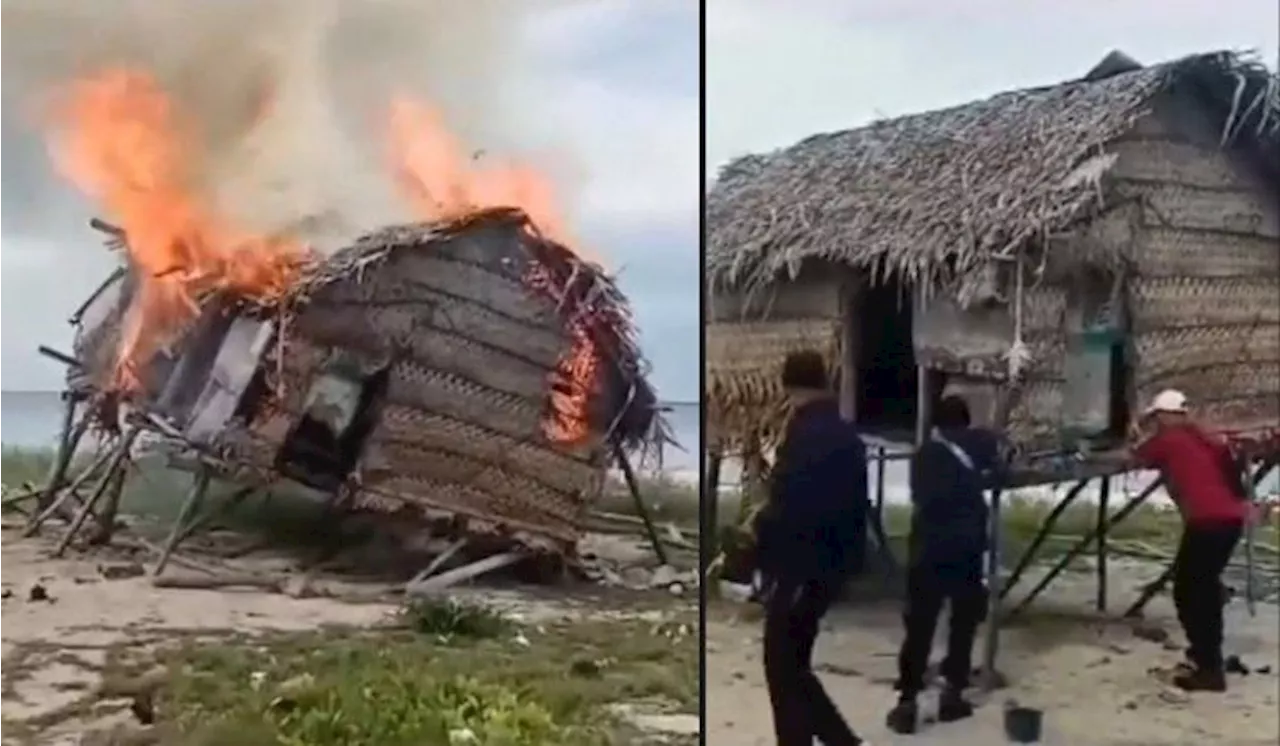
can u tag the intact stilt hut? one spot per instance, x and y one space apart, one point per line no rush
1058 254
472 371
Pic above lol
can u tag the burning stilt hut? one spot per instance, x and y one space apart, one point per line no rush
471 371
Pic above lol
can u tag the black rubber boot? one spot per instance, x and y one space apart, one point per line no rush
952 706
904 716
1201 680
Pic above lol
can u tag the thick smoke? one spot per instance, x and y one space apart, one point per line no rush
316 159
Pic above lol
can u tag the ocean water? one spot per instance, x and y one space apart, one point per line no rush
30 419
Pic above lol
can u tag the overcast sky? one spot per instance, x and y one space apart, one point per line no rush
618 79
778 71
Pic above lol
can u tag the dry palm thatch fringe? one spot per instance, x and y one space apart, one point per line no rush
932 194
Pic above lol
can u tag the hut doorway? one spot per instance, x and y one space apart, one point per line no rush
326 441
887 375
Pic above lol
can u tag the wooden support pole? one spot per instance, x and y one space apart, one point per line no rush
68 438
1046 529
848 390
991 644
1082 545
710 529
190 509
115 463
880 469
1250 582
1149 591
438 561
1104 513
753 488
633 486
99 461
924 390
445 580
110 509
875 521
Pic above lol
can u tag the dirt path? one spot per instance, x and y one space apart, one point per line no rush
1092 680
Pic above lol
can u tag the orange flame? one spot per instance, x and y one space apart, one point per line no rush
442 183
118 139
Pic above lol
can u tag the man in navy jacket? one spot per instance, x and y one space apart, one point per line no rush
949 473
810 537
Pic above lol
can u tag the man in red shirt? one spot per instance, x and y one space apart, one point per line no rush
1202 478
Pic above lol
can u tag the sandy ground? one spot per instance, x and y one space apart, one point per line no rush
1092 680
54 649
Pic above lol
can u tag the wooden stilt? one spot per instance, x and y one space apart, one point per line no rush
1081 546
68 439
1046 529
634 487
67 492
924 398
1250 582
754 477
445 580
875 522
880 469
991 643
710 529
1104 510
199 521
1149 591
190 509
114 463
111 508
438 561
849 342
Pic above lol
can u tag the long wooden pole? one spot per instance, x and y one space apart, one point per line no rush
68 440
710 533
633 485
1104 513
849 341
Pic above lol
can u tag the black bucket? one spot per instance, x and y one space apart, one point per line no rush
1023 724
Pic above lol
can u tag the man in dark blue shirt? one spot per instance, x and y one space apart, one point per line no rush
810 537
949 474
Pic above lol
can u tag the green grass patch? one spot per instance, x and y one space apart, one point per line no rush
668 500
487 682
24 468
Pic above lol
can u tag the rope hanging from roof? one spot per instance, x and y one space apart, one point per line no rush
1019 355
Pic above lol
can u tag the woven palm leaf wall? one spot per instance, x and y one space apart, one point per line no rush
1206 314
471 348
744 398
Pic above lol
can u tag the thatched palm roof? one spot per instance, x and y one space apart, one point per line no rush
908 194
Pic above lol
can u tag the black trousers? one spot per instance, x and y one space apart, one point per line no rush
802 711
929 586
1203 554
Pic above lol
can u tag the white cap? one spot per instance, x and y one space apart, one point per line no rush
1169 400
